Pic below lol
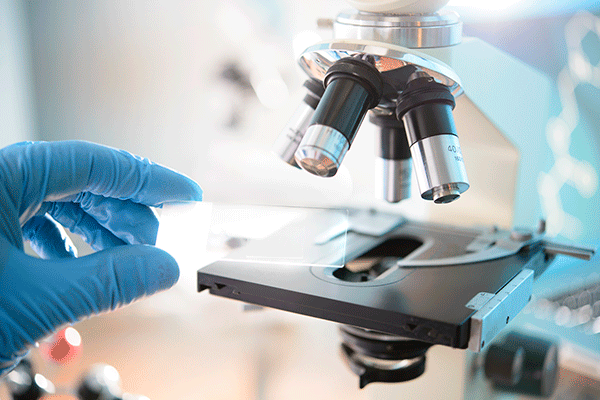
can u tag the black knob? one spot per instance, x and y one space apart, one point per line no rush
523 364
102 382
24 384
503 365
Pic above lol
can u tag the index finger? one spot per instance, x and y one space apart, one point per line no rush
50 171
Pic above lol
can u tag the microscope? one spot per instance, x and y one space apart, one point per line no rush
408 285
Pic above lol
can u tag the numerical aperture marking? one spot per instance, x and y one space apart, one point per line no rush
457 152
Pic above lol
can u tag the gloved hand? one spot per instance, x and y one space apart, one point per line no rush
97 192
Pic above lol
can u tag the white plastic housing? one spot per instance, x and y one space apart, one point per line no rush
398 6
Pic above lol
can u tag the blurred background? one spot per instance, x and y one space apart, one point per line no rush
205 88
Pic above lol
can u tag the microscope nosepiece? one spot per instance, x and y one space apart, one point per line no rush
352 86
425 108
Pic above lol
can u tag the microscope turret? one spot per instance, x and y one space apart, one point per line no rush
410 98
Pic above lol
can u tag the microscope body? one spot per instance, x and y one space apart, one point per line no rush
407 67
498 108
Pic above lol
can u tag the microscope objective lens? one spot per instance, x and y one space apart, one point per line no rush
425 108
352 86
393 166
445 194
290 137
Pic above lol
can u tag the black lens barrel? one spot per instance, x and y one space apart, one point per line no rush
352 87
426 109
314 92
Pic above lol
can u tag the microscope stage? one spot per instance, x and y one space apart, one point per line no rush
419 281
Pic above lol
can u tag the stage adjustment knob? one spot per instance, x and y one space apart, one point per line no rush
523 364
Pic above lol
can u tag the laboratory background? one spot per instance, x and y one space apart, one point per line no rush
206 88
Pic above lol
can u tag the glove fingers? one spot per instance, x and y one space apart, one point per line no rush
48 238
124 274
55 292
58 169
72 217
131 222
18 144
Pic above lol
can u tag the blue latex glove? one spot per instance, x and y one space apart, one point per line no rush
97 192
